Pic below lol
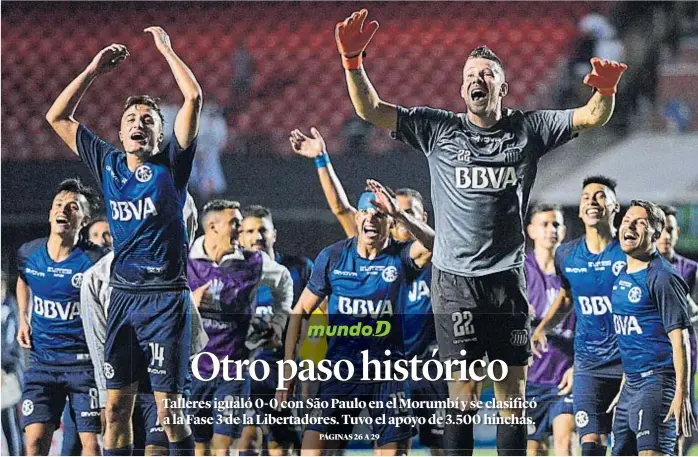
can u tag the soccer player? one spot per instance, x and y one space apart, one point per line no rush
363 278
225 279
651 319
549 381
483 164
419 329
257 233
145 192
148 435
50 273
587 267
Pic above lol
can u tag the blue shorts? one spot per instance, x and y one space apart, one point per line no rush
282 434
592 396
381 392
148 334
430 434
214 391
549 405
639 421
45 393
147 409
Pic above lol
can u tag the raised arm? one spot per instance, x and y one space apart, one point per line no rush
352 39
559 310
314 147
186 125
61 115
604 77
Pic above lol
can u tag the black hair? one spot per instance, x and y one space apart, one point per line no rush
407 192
543 208
216 205
600 179
258 211
483 52
668 210
655 216
75 186
146 100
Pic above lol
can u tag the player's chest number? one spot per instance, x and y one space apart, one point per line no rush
462 323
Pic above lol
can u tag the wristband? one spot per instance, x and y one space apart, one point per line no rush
352 63
321 161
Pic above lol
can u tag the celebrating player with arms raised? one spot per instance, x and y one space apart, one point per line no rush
483 164
145 191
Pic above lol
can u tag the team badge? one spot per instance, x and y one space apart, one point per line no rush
513 155
389 274
76 280
635 294
581 419
617 267
144 173
108 370
27 407
519 337
531 429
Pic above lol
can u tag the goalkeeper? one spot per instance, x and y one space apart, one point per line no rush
483 164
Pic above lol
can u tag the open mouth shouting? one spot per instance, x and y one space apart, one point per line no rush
629 238
478 94
139 137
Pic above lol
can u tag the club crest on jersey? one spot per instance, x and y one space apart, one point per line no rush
108 370
513 155
144 173
27 407
635 294
519 337
76 280
618 267
389 274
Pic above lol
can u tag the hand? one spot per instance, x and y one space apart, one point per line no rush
605 75
311 147
201 296
565 385
108 58
539 338
24 335
680 409
352 38
162 39
276 338
384 202
289 386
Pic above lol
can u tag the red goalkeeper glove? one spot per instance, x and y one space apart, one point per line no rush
352 38
605 75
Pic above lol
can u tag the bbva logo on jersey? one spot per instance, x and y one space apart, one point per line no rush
360 307
486 177
625 325
55 310
595 305
138 210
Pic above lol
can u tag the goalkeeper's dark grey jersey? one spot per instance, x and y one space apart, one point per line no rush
481 180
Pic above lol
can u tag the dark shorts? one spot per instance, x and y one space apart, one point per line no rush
148 334
592 396
147 412
431 434
380 392
44 397
639 421
265 390
486 315
549 405
219 391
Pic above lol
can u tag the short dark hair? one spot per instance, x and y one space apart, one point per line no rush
75 186
655 216
668 210
600 179
483 52
146 100
258 211
407 192
543 208
216 205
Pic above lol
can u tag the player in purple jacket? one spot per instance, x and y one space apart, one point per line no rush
224 279
688 269
549 381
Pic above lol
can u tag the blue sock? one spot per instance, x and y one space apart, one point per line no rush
126 450
184 447
593 449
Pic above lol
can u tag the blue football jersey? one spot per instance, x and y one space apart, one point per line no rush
418 320
58 340
300 268
590 277
144 209
362 293
647 305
